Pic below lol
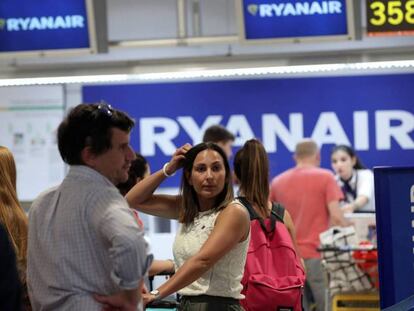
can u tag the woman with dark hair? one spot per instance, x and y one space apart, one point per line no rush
356 182
251 167
211 244
139 170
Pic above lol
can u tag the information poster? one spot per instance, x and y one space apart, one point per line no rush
29 117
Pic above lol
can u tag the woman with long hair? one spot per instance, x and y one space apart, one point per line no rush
139 170
210 246
251 167
12 216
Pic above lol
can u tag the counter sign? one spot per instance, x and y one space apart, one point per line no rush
390 17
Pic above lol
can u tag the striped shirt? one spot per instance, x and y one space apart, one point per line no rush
83 239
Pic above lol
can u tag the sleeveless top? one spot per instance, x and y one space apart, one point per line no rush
223 278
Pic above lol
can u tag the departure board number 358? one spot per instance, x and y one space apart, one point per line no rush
393 12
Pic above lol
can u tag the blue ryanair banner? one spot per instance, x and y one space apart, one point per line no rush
394 197
276 19
27 25
374 114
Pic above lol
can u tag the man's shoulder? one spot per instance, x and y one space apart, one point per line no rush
97 195
295 173
46 194
283 175
43 199
83 180
322 171
322 175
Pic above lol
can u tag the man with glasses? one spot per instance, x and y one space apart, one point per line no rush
83 238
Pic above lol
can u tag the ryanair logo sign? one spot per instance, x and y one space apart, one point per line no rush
295 8
42 23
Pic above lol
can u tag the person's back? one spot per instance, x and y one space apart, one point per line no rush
83 238
273 275
81 263
311 196
306 192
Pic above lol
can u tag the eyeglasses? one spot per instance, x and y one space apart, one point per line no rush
105 108
102 110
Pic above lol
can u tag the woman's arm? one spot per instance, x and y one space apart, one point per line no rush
158 266
232 226
166 206
141 196
357 204
364 190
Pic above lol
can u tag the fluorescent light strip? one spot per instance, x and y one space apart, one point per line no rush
210 73
63 80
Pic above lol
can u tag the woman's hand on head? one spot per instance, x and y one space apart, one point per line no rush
177 159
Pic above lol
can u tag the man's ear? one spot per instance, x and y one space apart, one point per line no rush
87 156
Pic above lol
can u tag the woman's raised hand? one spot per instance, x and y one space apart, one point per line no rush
177 159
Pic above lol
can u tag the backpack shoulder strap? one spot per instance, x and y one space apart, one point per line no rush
279 211
252 213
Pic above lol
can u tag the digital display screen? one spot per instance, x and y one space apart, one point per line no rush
281 19
27 25
391 18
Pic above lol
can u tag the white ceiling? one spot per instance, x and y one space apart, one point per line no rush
144 36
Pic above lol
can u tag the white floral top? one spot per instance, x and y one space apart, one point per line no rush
223 279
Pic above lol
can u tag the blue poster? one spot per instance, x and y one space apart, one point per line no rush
394 197
374 114
27 25
278 19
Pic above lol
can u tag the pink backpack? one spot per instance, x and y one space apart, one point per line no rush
273 276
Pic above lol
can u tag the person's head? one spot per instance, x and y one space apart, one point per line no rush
97 135
206 180
7 170
219 135
12 215
307 152
251 166
139 170
344 160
